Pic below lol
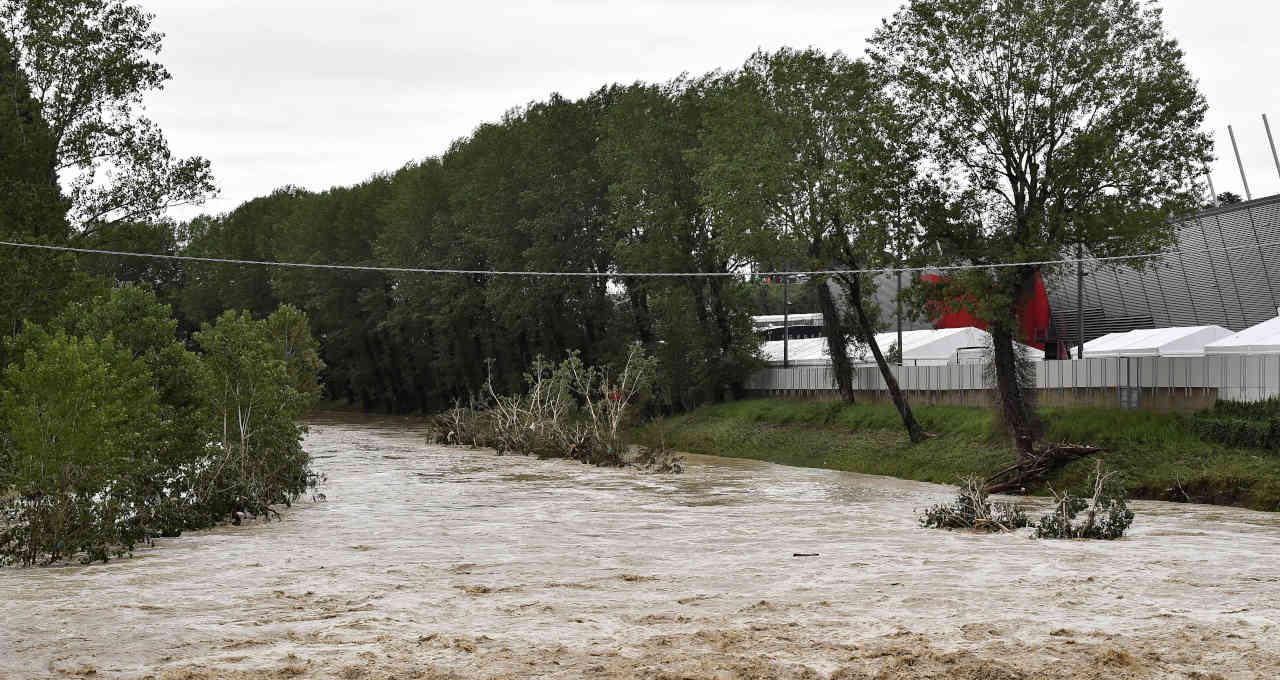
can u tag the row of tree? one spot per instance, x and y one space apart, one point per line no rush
974 132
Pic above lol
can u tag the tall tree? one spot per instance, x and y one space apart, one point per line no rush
812 150
250 232
32 207
1063 123
90 64
654 153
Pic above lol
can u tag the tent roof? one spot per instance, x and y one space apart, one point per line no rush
1177 341
923 346
1263 338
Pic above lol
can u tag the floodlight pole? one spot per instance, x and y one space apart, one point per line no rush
1213 193
1080 300
1271 141
1248 195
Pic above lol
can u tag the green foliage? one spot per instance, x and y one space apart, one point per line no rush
256 458
112 432
90 62
972 509
1107 514
1245 424
32 208
79 414
1161 458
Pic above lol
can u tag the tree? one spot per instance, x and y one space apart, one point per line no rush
1228 198
81 414
32 208
811 149
90 64
653 151
1061 124
252 412
250 232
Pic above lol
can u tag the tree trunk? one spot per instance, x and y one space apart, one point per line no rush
724 333
837 341
639 299
914 431
1015 408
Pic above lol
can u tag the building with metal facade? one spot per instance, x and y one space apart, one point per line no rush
1226 272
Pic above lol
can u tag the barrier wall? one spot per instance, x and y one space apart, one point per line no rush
1159 382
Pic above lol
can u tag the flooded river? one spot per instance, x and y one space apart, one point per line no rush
432 562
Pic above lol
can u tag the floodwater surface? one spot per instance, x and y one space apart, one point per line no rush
434 562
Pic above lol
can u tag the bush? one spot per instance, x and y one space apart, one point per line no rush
972 509
252 402
1107 514
1254 425
80 418
569 410
1236 431
112 432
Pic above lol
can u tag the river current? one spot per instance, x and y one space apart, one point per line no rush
436 562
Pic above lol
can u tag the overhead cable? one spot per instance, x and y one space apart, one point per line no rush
623 274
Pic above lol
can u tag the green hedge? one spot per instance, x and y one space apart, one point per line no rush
1239 425
1268 409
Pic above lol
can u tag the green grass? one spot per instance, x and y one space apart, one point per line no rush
1159 455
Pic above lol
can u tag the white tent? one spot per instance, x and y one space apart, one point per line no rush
1183 341
1106 343
1261 339
919 348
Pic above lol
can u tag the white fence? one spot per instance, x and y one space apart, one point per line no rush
1245 377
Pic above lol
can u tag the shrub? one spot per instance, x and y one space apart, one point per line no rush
569 410
972 509
112 432
80 417
255 458
1238 431
1107 514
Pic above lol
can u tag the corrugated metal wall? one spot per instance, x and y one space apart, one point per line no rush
1199 286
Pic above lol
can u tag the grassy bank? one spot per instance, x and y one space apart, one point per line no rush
1158 453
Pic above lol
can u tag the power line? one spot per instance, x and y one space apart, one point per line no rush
623 275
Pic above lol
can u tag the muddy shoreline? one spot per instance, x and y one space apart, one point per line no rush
434 562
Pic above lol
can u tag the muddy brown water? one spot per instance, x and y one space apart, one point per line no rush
434 562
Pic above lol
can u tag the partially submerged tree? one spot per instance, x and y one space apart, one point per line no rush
1062 124
812 150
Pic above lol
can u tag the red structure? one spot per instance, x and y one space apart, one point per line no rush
1033 314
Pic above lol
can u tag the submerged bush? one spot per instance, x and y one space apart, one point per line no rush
80 418
1106 513
972 509
569 410
112 432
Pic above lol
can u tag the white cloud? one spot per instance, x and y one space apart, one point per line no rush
318 94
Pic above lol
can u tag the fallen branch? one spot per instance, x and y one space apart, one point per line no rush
1037 466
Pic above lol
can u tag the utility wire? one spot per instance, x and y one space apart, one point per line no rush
623 275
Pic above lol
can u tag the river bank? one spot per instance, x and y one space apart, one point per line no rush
1159 454
444 562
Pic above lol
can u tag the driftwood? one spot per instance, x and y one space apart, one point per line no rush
1035 466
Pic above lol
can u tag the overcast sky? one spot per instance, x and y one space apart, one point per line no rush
318 94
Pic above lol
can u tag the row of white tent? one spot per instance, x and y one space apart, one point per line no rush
1187 341
919 348
967 345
